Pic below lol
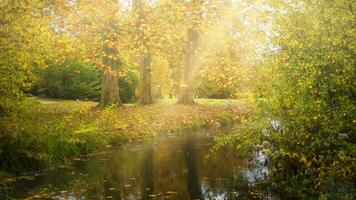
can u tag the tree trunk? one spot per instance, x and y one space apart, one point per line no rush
109 82
186 95
186 91
145 58
146 86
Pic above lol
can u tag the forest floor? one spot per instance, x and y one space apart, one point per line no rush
48 132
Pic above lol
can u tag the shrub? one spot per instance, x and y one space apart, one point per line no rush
76 80
70 81
128 86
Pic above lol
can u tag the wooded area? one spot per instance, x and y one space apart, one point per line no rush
80 75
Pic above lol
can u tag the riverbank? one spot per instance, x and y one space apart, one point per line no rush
45 133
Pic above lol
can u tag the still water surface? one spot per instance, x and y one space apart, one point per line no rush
178 166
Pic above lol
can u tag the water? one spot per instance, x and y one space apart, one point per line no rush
174 167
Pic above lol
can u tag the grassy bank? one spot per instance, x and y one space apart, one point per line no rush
44 133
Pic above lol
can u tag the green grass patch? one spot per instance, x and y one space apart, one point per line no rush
47 132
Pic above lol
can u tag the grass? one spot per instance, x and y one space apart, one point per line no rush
48 132
163 102
208 102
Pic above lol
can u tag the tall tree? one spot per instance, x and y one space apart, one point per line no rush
97 29
145 53
195 13
109 82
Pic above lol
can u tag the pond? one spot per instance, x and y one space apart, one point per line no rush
178 166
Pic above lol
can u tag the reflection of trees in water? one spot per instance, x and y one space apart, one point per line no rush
190 154
176 168
228 177
113 183
53 181
147 174
221 175
170 170
103 177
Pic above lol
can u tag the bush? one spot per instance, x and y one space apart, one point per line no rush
128 86
70 81
76 80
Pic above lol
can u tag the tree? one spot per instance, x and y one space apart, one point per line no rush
98 30
308 88
109 82
145 53
186 94
25 43
312 92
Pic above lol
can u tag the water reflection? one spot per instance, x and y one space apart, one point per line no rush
147 174
190 156
175 167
